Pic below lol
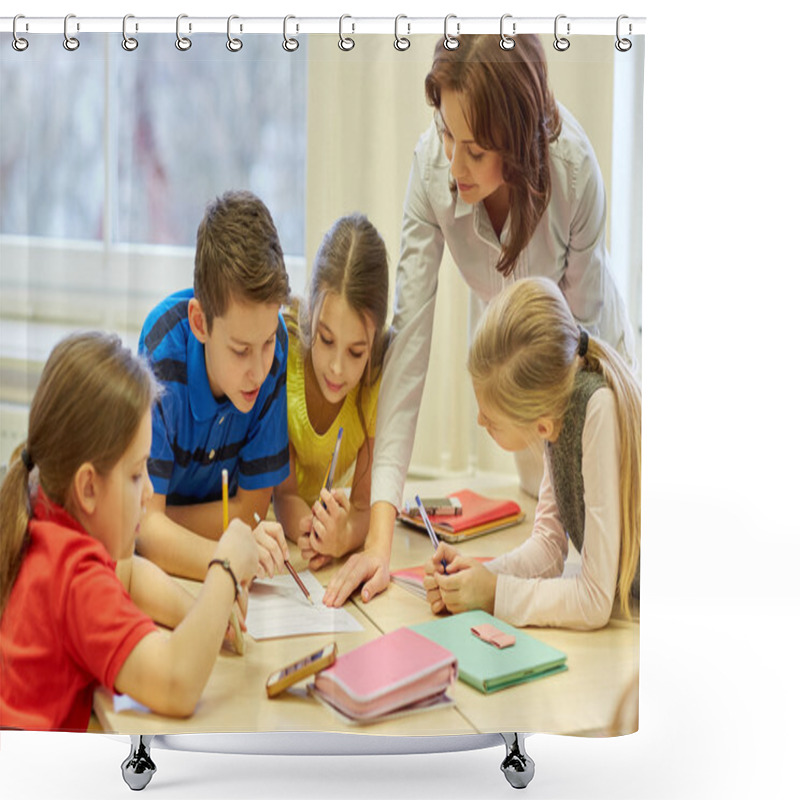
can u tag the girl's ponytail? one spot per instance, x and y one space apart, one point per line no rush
91 397
15 509
605 360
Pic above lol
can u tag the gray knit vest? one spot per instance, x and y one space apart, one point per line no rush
566 459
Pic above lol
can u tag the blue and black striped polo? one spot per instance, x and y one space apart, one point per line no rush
196 436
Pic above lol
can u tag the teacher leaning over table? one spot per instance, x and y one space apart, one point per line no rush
507 178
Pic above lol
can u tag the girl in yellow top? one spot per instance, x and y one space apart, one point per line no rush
337 341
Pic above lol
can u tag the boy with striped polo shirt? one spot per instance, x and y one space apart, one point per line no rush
219 351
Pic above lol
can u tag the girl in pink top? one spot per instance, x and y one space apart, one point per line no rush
540 378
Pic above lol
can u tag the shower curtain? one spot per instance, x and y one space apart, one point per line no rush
109 156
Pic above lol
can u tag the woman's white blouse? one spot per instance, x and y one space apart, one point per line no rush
567 246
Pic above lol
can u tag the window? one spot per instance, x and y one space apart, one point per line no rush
103 149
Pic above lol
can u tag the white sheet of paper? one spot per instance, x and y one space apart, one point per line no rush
277 608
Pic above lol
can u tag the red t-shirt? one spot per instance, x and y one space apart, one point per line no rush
69 624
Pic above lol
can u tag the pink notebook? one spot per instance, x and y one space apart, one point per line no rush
387 674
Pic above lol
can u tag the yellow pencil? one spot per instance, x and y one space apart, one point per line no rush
224 500
238 642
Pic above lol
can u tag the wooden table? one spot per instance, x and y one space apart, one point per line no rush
580 701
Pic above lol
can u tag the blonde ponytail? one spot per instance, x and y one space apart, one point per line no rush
605 360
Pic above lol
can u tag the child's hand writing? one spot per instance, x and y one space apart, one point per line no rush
307 552
329 531
270 538
467 585
433 567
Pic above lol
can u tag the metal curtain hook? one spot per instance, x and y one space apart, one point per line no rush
560 43
451 42
70 42
18 43
234 45
289 44
182 42
623 45
400 42
128 42
506 42
345 43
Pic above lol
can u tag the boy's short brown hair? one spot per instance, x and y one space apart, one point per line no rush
239 255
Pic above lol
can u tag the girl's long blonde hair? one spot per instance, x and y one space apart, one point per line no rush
87 407
523 361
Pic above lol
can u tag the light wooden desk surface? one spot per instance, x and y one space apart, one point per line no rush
580 701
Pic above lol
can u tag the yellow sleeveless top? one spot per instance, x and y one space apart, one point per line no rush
313 450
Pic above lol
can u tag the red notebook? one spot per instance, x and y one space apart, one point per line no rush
479 515
395 671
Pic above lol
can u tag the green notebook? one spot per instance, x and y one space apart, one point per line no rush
484 666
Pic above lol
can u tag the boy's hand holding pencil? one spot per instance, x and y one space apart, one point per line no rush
270 537
277 531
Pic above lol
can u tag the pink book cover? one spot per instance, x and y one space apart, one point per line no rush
388 673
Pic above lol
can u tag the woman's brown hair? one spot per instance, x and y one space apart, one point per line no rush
87 407
510 109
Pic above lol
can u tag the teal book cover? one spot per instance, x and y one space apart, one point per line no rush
486 667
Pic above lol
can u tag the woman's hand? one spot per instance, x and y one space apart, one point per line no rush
367 567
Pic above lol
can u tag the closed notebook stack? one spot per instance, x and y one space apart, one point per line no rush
479 515
400 671
484 666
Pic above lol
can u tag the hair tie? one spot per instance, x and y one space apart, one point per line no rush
583 342
26 459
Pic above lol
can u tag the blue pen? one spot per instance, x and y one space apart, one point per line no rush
332 465
431 531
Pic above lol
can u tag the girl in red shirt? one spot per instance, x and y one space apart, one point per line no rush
70 507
